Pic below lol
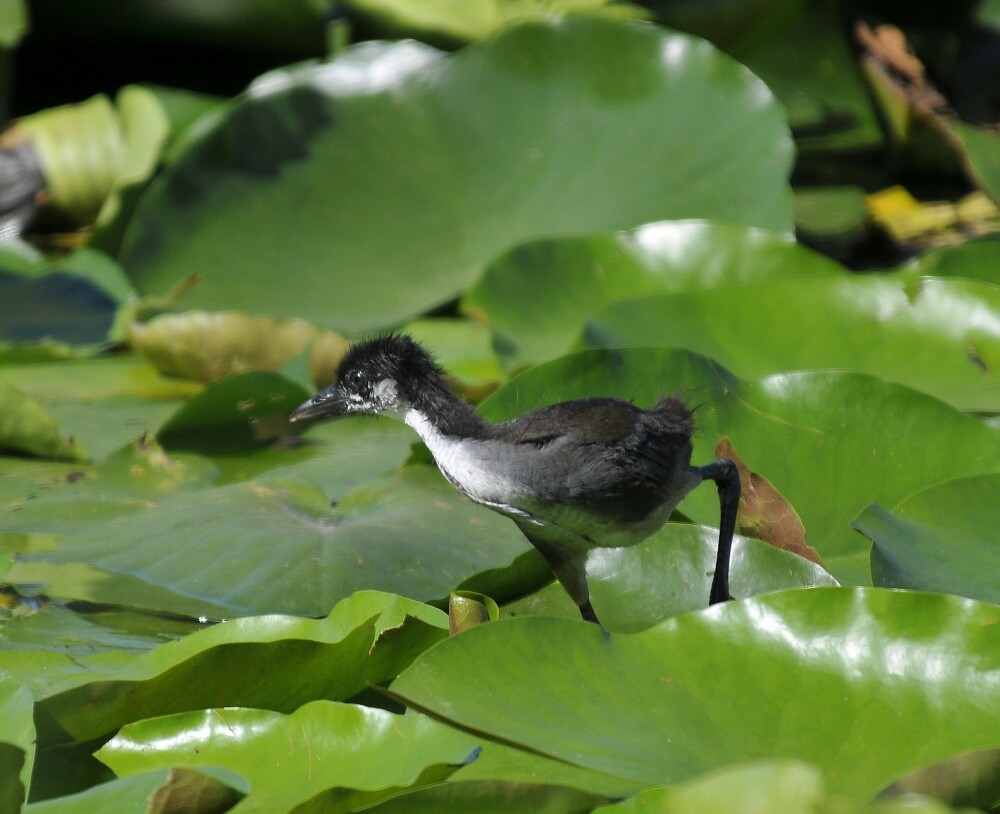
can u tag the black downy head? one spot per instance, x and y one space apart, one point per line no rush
384 375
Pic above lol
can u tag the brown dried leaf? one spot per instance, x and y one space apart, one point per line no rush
764 512
888 53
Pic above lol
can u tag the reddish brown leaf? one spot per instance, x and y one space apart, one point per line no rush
764 512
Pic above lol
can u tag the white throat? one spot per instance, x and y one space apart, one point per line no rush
461 461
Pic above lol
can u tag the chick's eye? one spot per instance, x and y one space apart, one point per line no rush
357 377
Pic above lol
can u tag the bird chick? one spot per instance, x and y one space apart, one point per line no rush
574 476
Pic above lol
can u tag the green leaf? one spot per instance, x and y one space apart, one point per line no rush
734 26
17 742
468 608
49 307
942 338
981 154
350 754
80 150
335 456
829 106
461 347
969 779
830 442
903 679
103 402
940 539
13 23
974 260
375 231
490 797
145 128
136 477
408 532
508 766
787 786
367 639
26 428
227 414
57 629
538 296
90 380
163 791
830 214
474 19
670 573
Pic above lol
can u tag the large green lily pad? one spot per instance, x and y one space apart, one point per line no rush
671 573
538 295
941 539
589 125
820 675
274 546
938 336
351 755
368 638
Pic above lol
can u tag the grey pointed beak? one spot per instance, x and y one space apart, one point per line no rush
326 403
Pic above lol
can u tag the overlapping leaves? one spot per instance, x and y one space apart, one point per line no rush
494 167
369 189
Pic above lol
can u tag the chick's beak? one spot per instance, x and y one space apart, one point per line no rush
326 403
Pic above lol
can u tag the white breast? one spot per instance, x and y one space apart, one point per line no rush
461 461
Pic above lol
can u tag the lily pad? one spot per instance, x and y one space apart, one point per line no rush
904 677
788 786
538 296
277 546
980 150
366 639
104 402
969 779
489 797
560 145
17 743
941 336
26 428
829 106
60 630
351 755
227 415
499 763
74 301
974 260
443 20
162 791
634 588
940 539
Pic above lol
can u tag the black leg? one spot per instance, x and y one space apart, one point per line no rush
727 478
587 612
571 571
